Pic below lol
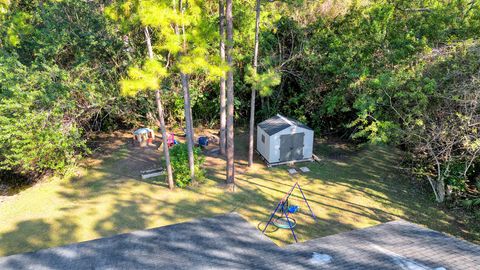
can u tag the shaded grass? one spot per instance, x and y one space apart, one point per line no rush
351 188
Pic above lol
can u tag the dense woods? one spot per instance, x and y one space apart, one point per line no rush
404 73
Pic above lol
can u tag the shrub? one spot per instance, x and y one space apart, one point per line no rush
181 171
37 134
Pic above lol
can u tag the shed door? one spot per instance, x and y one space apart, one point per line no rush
291 146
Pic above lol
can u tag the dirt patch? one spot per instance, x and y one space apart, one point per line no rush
128 159
103 144
117 154
139 159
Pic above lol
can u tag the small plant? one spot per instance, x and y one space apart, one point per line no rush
456 177
181 170
470 203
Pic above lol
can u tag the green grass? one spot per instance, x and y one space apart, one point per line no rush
349 190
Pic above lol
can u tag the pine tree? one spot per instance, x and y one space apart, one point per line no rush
252 100
149 77
184 38
221 6
230 97
161 118
186 93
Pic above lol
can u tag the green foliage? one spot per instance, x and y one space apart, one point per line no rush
35 136
470 203
361 42
456 178
181 170
183 41
17 27
146 78
59 69
184 31
434 114
4 5
263 83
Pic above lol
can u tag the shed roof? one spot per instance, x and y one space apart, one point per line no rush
278 123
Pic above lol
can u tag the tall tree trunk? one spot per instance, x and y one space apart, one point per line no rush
441 190
230 96
252 99
165 140
187 105
223 116
163 129
440 183
188 122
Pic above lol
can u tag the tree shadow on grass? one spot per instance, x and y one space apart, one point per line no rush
38 234
378 176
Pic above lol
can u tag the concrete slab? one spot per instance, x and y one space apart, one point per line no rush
292 171
304 169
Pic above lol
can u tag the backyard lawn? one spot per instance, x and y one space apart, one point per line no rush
348 190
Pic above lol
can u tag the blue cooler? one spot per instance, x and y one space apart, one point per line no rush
203 141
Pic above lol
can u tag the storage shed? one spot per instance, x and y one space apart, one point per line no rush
281 139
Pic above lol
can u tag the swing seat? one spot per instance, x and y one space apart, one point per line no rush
293 209
283 223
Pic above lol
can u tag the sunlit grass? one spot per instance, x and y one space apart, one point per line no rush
348 190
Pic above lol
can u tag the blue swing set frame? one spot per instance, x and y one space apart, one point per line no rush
283 206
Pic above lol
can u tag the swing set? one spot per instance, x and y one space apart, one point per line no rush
285 220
